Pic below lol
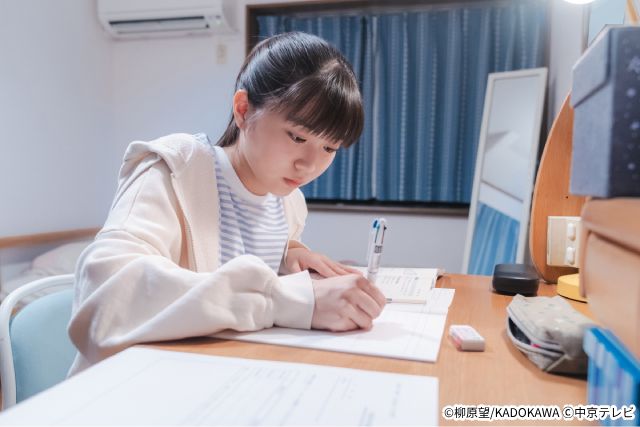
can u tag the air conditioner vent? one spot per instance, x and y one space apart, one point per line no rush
133 26
158 18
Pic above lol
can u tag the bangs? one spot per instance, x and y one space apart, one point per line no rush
327 103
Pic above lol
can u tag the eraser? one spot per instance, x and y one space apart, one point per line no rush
466 338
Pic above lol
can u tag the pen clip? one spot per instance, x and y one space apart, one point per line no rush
372 238
375 248
380 231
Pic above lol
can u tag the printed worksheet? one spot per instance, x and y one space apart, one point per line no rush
143 386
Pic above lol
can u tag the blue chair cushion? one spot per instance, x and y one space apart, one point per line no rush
42 350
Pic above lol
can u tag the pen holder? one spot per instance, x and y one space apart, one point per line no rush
549 332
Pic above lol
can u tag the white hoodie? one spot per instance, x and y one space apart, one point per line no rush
153 273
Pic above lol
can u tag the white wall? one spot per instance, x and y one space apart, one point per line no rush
164 86
411 240
75 100
567 36
56 116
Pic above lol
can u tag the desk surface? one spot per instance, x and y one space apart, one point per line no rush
500 375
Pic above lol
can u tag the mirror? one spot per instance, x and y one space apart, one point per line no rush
505 170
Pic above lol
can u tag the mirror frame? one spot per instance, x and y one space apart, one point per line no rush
534 141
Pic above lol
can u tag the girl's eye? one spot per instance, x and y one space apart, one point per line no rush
330 150
296 139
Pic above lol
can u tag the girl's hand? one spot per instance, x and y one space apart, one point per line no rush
299 259
344 303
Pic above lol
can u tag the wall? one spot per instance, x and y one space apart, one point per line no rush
163 86
56 116
604 12
411 240
568 36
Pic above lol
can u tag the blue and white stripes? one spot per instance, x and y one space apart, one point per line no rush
249 224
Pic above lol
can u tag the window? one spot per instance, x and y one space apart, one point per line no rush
423 71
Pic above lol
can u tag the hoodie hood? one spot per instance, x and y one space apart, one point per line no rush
193 177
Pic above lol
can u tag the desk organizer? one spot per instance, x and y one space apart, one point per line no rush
613 376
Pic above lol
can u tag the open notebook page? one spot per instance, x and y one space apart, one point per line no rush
406 285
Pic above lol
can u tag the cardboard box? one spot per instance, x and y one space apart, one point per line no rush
610 266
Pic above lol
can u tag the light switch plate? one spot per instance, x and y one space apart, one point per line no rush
563 241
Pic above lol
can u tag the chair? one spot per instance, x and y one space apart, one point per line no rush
35 350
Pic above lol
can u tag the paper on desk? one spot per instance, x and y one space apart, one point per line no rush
407 331
438 302
405 285
155 387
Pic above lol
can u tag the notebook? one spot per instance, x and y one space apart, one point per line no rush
405 285
396 334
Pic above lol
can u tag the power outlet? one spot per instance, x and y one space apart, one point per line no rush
563 241
221 53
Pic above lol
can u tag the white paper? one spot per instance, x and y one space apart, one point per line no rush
403 331
405 285
438 302
143 386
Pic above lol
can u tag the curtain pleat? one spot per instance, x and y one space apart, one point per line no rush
423 77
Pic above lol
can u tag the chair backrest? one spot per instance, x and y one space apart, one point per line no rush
35 350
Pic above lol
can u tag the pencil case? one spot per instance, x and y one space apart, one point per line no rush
549 332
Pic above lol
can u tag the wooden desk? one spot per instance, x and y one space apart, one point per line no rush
500 375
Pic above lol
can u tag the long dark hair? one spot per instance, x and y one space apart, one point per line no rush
306 79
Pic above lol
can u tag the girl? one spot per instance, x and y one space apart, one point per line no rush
197 234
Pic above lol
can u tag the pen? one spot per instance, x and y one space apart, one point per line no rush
372 235
376 239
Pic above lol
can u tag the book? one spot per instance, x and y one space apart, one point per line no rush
405 285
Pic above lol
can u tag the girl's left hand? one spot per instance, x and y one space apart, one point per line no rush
299 259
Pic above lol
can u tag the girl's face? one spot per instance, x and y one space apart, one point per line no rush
273 155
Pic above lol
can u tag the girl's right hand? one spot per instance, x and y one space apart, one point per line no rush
344 303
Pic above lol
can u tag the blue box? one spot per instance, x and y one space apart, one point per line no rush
613 376
605 160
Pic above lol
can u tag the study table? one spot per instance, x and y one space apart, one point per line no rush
500 375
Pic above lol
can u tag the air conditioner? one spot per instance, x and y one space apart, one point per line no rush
163 18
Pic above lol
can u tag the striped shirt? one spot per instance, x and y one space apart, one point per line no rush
249 224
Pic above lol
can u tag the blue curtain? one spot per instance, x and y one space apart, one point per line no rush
423 77
349 177
495 240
